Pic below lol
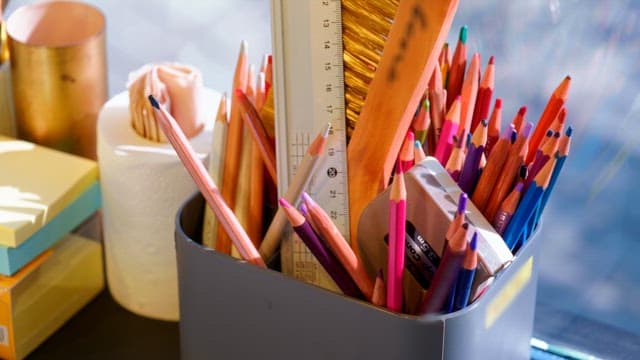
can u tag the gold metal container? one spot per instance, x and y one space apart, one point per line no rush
58 68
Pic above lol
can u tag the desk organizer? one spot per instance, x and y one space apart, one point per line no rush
231 309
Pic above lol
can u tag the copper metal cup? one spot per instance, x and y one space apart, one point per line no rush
58 68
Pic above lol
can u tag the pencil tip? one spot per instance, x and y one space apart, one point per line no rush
491 60
498 104
473 244
463 34
522 111
519 186
306 198
569 131
284 203
462 203
526 130
417 144
304 210
568 77
380 274
154 102
243 46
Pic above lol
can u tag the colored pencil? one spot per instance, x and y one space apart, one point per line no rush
456 160
397 230
457 68
261 92
492 170
459 216
254 123
449 129
546 151
299 182
447 272
422 121
466 274
518 120
510 171
558 123
406 157
561 154
485 92
379 297
551 110
444 60
527 207
495 124
471 168
418 152
328 261
469 94
233 146
215 167
206 185
437 103
338 245
507 208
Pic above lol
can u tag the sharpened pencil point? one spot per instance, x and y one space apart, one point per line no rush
306 198
463 34
462 203
498 104
526 130
154 102
569 131
473 244
417 144
284 203
519 186
304 210
491 61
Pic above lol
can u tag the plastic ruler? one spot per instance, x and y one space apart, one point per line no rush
309 93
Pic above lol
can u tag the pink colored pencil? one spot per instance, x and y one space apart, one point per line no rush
397 223
206 185
449 129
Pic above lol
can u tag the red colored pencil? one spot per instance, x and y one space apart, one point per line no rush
485 92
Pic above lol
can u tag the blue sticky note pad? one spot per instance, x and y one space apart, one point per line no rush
13 259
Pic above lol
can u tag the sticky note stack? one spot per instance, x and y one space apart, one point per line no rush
46 273
46 293
44 194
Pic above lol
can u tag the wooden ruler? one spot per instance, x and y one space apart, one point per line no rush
309 93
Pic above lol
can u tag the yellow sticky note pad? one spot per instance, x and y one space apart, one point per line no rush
43 295
36 183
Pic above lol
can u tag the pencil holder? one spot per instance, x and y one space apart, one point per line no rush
232 309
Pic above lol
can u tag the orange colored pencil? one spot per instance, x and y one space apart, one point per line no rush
330 233
492 170
379 297
485 92
495 123
546 151
233 146
507 208
418 152
456 160
266 146
437 102
422 120
551 110
558 123
518 120
457 68
444 60
469 95
509 173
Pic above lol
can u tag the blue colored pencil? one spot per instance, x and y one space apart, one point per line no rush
527 207
466 274
561 155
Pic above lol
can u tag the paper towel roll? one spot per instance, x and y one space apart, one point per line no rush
143 184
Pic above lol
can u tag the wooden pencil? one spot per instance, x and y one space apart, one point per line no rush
457 67
449 129
507 178
338 245
507 208
418 152
551 110
396 248
406 157
379 297
485 92
233 146
518 120
447 272
471 168
216 170
422 121
492 170
495 124
456 159
299 182
206 185
328 261
469 94
258 132
444 60
561 154
437 104
543 154
459 216
466 274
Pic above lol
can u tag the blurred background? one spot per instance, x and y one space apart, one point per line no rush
590 277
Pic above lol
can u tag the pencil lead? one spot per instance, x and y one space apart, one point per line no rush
473 244
462 203
284 203
498 104
569 131
154 102
463 34
307 199
304 210
526 130
417 144
465 226
491 60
